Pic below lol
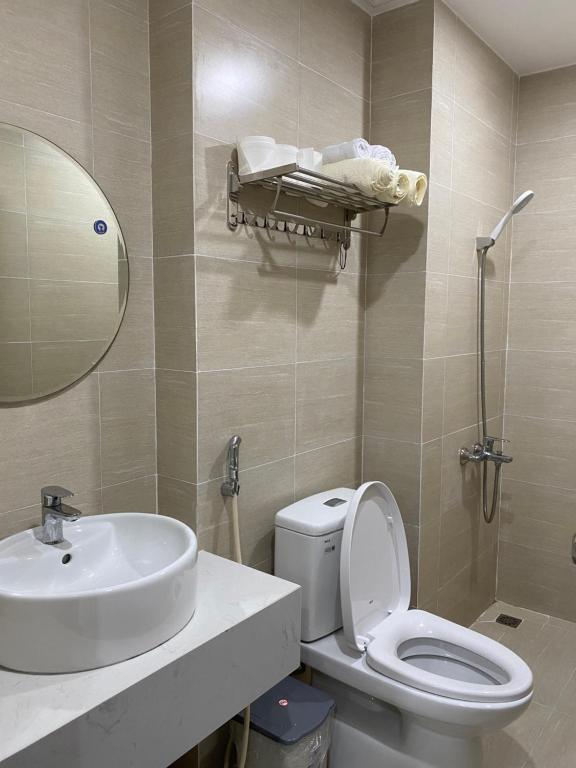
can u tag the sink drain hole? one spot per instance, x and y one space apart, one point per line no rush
66 559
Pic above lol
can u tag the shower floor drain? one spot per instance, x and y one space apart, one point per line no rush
508 621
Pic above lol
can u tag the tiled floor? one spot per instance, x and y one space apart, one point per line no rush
545 736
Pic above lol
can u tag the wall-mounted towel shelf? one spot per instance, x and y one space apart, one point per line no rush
308 186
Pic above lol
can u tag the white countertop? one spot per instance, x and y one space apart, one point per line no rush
34 706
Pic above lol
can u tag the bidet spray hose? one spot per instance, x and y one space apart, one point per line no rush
246 730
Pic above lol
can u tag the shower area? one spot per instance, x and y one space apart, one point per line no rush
488 136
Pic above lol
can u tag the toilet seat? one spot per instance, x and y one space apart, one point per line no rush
434 655
414 648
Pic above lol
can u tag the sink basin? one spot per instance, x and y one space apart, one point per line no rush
119 585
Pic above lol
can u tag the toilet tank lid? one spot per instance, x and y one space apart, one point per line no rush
317 515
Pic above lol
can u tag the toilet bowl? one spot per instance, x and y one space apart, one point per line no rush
437 686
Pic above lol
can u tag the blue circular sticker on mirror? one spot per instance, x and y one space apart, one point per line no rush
100 227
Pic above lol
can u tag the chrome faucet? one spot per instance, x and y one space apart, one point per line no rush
54 513
231 486
485 452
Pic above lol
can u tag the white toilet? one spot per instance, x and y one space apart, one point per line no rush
412 690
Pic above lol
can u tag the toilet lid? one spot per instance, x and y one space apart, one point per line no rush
374 564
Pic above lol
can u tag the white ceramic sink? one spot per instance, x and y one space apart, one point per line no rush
119 585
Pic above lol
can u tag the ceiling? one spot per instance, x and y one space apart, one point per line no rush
530 35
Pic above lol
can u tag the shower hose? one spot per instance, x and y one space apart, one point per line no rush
246 730
488 513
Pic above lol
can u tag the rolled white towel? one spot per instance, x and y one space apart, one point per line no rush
417 185
347 150
378 152
397 190
372 177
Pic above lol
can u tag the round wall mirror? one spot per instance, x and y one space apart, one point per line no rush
63 269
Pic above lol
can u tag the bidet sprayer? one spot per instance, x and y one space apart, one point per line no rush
231 486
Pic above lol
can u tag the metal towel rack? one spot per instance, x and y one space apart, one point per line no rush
296 182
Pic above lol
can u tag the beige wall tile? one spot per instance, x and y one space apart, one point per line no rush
256 403
542 316
548 168
119 36
404 245
470 592
345 58
542 458
246 315
543 247
433 399
398 465
127 407
461 403
177 499
428 562
334 466
172 99
461 336
395 315
546 106
175 313
176 424
13 246
265 490
136 496
12 167
390 80
134 345
241 86
459 483
436 315
86 311
57 364
442 139
402 31
393 399
330 315
16 365
28 457
14 310
470 219
275 22
484 84
75 138
328 402
138 8
172 171
403 122
536 579
328 112
161 8
431 482
121 99
541 384
58 80
485 180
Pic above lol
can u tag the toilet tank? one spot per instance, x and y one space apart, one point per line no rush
307 552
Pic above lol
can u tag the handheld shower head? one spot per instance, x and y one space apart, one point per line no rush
520 202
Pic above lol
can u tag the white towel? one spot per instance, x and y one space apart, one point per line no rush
417 184
347 150
378 152
372 177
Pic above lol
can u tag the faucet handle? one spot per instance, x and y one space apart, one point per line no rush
52 495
